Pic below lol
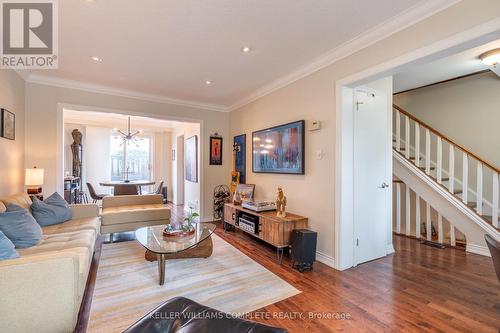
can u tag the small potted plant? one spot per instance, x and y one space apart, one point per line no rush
190 218
185 229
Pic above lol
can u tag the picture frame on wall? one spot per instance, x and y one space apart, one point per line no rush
7 124
191 159
240 163
215 150
279 149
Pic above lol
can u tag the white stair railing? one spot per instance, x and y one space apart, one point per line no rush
409 220
485 197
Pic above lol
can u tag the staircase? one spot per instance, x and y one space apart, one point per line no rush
444 193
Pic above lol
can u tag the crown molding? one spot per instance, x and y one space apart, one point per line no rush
387 28
94 88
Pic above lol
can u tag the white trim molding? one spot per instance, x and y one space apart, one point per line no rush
325 259
478 249
387 28
100 89
389 249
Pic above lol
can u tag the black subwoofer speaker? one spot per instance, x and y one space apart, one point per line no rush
303 251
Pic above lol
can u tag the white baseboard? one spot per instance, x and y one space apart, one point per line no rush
478 249
325 259
389 249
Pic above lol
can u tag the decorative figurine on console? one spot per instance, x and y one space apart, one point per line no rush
237 198
280 203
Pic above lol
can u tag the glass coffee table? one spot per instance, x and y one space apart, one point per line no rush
197 245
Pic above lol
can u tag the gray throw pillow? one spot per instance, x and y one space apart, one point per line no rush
7 248
53 210
20 227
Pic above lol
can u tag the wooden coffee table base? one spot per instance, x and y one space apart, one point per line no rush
203 250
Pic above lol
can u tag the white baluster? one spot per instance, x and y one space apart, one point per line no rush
417 144
440 228
398 131
428 222
494 215
453 241
407 137
408 211
439 159
479 191
417 215
451 173
398 208
465 177
427 151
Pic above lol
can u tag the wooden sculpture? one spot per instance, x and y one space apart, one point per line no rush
280 203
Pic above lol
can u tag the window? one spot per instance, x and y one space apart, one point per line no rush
130 159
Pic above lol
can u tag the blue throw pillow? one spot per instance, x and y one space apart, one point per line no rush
53 210
20 227
7 248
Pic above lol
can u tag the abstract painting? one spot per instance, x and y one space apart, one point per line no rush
279 149
191 159
8 124
215 150
240 163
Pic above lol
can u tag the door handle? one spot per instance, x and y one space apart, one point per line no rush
384 185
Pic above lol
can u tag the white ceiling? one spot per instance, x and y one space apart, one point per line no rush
113 120
170 48
456 65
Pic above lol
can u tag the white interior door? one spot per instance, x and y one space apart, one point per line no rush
371 181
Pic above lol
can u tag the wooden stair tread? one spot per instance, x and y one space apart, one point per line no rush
472 204
424 168
489 218
458 192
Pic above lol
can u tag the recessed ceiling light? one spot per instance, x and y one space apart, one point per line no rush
490 58
208 82
246 49
96 59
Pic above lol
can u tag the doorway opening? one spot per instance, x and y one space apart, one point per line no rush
116 149
351 183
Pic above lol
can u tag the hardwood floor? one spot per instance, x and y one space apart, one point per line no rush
417 289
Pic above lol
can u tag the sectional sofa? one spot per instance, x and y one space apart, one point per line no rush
43 289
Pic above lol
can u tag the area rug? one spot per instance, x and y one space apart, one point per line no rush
127 285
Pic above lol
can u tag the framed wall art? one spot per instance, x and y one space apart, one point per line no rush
215 150
191 159
279 149
240 163
8 124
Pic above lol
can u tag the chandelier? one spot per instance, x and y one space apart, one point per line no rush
129 136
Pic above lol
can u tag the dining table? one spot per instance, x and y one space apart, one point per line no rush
135 183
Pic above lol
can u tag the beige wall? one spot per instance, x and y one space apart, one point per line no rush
313 98
42 119
465 110
12 92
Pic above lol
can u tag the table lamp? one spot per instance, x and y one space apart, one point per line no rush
34 180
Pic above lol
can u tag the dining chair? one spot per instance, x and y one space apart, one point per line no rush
93 194
494 247
125 190
158 189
